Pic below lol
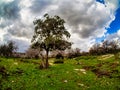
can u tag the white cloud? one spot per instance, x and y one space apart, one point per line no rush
83 44
118 33
112 4
7 1
85 19
22 43
2 33
25 3
114 36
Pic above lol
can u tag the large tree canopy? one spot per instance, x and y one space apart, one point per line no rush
50 34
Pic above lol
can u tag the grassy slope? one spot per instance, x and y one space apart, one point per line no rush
92 73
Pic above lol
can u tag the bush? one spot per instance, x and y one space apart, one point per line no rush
73 53
32 53
59 56
7 49
57 61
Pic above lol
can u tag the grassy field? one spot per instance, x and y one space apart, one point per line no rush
82 73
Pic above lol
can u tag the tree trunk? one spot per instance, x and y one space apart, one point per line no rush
42 60
47 63
43 63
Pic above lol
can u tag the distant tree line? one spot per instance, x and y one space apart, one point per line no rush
8 49
105 47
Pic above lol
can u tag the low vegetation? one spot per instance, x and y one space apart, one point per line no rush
91 73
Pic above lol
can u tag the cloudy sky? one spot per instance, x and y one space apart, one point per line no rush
88 21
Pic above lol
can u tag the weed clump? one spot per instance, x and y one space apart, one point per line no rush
18 71
59 58
57 61
3 72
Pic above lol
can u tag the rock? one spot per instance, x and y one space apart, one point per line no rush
65 81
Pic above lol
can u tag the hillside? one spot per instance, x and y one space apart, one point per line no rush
82 73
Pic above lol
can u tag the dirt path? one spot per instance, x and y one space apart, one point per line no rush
104 57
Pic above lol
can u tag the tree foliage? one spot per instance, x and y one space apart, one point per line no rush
106 47
7 49
32 53
50 34
73 53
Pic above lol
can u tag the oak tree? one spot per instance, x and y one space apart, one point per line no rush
50 34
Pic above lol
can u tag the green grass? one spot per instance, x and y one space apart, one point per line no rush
23 74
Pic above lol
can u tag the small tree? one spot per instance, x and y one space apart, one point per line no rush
114 49
32 53
8 49
95 49
107 47
73 53
50 34
11 48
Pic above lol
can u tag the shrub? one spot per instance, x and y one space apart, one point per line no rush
7 49
59 56
73 53
57 61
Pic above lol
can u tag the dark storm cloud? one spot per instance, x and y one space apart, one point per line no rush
83 17
4 23
21 30
22 44
10 10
